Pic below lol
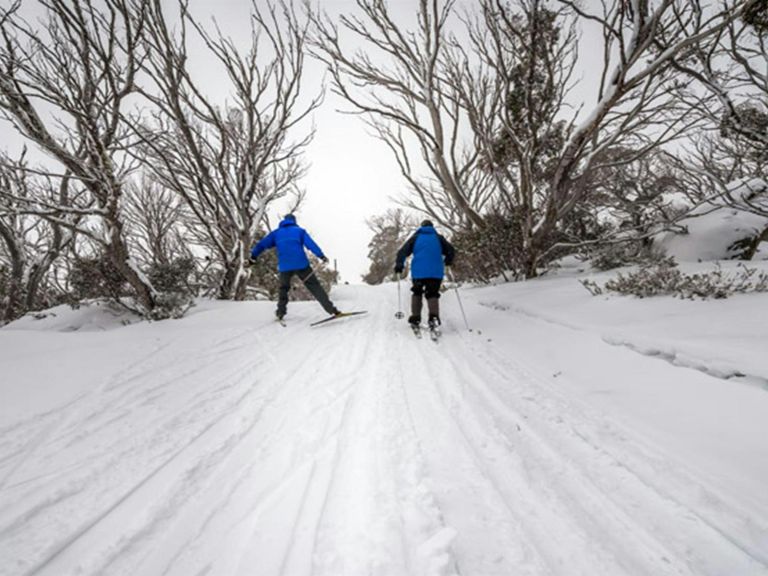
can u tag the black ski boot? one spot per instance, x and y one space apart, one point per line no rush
434 327
415 323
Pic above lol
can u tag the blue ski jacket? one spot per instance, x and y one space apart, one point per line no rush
428 249
290 240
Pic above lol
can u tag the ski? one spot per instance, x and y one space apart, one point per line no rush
434 332
338 316
416 330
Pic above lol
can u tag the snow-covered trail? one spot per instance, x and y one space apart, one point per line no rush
348 449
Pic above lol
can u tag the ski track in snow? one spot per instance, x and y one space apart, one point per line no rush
351 449
669 354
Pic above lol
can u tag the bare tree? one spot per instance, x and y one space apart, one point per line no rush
29 244
732 66
155 218
637 103
505 81
399 86
513 79
66 88
228 163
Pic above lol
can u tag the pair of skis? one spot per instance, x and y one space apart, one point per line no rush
434 331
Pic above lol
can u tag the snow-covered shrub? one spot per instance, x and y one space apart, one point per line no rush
173 276
95 278
171 305
175 292
3 281
649 279
612 256
489 252
664 278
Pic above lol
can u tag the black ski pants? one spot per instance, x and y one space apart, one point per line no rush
308 277
429 288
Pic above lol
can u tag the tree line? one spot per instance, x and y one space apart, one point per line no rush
490 118
154 191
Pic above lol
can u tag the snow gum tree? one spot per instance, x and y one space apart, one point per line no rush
29 243
67 88
732 67
478 109
397 83
227 162
637 104
513 80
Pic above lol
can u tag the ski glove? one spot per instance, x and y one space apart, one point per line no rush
324 259
398 269
251 261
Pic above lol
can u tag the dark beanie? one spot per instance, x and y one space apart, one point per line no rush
289 217
427 223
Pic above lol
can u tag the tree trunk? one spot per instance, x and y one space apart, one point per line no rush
752 250
117 252
13 304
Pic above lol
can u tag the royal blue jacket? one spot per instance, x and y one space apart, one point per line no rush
289 240
428 249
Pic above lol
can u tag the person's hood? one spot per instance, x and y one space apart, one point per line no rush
427 230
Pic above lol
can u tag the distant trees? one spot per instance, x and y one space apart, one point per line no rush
390 231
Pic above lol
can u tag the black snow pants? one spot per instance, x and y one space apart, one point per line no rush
308 277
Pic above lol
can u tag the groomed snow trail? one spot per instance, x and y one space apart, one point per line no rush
350 449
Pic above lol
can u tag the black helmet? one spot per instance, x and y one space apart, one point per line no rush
427 223
290 217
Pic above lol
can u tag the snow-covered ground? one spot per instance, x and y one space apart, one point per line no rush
565 434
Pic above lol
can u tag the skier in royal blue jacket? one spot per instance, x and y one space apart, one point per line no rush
290 240
431 253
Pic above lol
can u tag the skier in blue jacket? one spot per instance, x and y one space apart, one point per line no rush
431 253
290 240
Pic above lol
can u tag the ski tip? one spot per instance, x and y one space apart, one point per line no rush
339 316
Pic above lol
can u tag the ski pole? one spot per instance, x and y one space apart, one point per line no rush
461 306
399 314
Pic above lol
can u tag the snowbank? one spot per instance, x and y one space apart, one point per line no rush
715 228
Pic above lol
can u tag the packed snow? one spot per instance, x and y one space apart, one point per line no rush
563 434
